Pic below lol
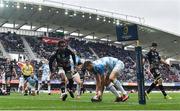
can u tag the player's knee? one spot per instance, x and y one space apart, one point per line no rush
109 86
160 81
63 79
155 82
63 76
111 78
79 83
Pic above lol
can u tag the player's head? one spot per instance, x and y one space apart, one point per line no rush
154 46
45 61
88 65
27 62
62 44
8 60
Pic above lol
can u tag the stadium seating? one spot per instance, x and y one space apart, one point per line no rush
12 42
82 47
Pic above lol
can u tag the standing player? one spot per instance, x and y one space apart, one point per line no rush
7 73
45 79
2 75
106 70
62 57
21 84
27 71
155 60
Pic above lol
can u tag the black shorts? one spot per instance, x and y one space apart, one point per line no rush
156 73
25 77
8 77
67 69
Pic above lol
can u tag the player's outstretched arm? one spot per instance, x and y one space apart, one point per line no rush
98 85
102 84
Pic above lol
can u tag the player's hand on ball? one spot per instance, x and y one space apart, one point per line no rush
96 99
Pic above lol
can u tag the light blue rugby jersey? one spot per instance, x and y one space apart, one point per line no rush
78 59
105 64
45 69
32 81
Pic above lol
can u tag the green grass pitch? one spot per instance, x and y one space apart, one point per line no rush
45 102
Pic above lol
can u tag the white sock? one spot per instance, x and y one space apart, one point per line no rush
39 86
65 88
119 86
49 88
18 89
78 88
113 90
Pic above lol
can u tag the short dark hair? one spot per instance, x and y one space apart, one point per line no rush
154 44
86 64
61 42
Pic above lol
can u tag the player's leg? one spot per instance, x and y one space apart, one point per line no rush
70 87
25 85
76 78
156 75
41 84
161 87
39 87
26 88
21 86
3 89
3 82
64 80
4 86
113 77
82 77
153 85
8 84
70 84
33 89
159 82
49 84
110 86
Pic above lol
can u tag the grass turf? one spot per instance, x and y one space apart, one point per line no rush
45 102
